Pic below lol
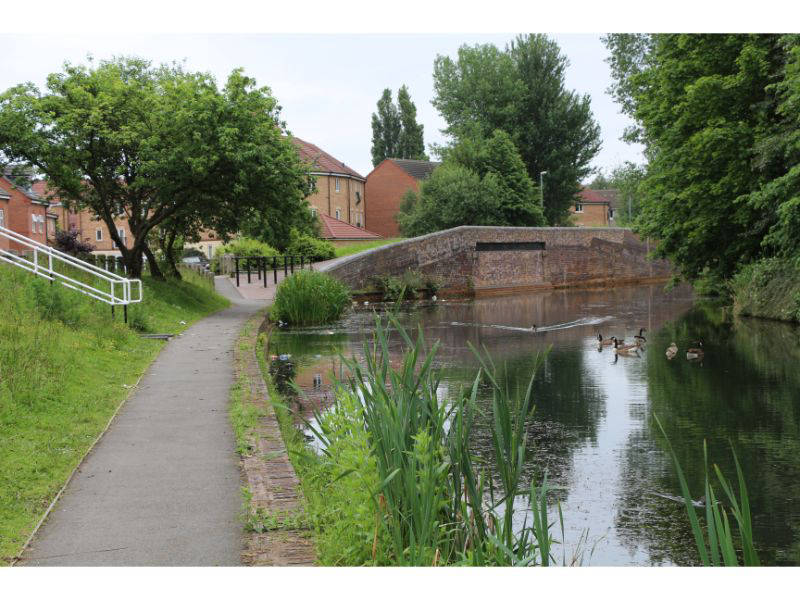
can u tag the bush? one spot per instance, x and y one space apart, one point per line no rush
242 247
69 242
302 244
407 286
310 298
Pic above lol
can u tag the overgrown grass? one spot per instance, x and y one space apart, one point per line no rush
769 288
355 247
65 367
310 298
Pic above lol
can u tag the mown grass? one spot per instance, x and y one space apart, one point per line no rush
310 298
355 247
65 367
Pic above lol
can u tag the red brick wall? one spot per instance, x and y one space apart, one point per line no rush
385 188
18 216
593 215
571 256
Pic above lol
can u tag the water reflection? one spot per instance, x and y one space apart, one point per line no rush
592 428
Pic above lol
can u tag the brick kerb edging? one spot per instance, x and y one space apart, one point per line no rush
267 471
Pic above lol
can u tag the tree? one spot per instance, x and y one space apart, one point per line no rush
395 131
411 143
714 113
520 90
160 146
480 182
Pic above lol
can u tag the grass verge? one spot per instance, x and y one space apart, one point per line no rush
65 367
355 247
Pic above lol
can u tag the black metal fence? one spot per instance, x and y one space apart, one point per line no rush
258 267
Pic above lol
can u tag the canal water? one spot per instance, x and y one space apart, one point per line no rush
593 429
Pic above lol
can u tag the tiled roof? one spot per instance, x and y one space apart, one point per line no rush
322 161
418 169
334 229
589 196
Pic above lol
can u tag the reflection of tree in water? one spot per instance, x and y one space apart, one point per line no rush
567 409
746 390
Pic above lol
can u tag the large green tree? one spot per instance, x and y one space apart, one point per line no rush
162 147
718 117
480 182
521 90
395 131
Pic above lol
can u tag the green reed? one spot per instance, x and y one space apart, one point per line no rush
434 503
719 545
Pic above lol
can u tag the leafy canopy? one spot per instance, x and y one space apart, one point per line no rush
719 117
480 182
163 147
521 91
395 131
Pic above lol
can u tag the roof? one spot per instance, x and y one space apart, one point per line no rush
334 229
418 169
322 161
42 190
26 191
589 196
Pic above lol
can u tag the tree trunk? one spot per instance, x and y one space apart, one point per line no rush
168 247
155 272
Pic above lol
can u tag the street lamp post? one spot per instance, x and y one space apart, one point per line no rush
541 186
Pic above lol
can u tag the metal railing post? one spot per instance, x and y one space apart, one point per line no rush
291 260
248 269
275 269
302 262
285 266
236 260
263 266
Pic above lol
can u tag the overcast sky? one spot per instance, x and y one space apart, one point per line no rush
328 85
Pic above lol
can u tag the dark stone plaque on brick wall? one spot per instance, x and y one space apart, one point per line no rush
506 246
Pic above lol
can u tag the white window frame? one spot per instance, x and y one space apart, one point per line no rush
314 212
2 217
98 235
578 207
337 184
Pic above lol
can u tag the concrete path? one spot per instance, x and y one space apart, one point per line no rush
162 486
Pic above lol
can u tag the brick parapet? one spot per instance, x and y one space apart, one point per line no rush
571 257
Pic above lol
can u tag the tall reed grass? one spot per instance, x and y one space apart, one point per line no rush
310 298
719 545
434 502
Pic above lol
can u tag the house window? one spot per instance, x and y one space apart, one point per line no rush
2 218
338 184
610 214
314 212
98 235
358 219
338 214
121 234
578 207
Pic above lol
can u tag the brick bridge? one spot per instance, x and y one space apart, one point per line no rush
494 260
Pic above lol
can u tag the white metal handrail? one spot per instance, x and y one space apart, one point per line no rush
121 290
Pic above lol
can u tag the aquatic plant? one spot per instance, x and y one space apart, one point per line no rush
717 546
310 298
433 504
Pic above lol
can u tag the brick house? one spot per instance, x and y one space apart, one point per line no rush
21 211
338 192
386 185
595 208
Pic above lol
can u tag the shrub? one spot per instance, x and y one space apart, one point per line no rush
69 242
769 288
242 247
302 244
310 298
407 286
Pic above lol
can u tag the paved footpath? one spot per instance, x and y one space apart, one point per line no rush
162 487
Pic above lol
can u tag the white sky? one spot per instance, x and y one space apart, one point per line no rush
328 85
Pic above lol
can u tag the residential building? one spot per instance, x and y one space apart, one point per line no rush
595 208
21 211
386 185
337 193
